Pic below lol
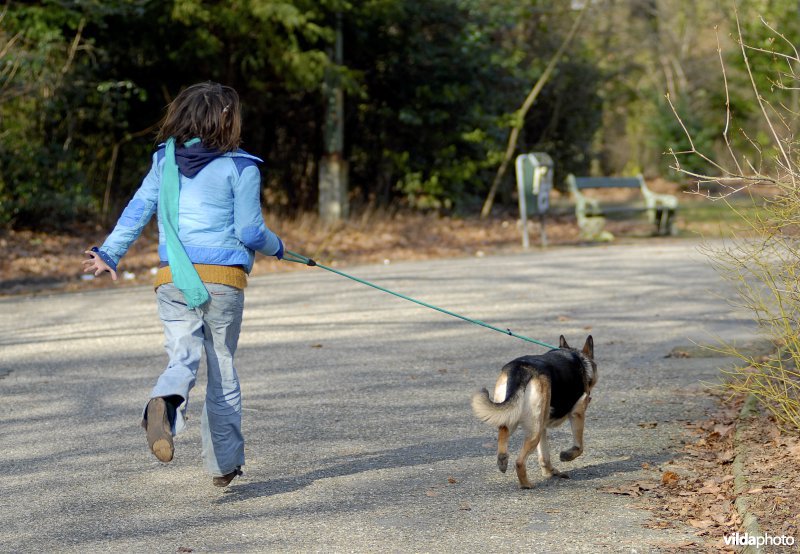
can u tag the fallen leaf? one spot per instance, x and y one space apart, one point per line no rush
648 424
465 506
726 457
734 520
710 488
723 430
720 519
700 523
647 486
451 480
669 478
774 433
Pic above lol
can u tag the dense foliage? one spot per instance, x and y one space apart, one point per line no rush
431 88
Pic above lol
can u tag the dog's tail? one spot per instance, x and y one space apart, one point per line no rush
501 414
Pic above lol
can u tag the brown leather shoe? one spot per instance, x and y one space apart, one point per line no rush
159 431
226 479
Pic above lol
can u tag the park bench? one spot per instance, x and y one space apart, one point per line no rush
592 211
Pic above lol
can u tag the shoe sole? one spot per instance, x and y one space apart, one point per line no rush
159 434
222 481
225 480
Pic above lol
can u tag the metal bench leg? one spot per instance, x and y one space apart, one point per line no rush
670 228
665 222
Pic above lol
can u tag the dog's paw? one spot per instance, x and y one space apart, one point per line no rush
550 473
571 454
527 485
502 462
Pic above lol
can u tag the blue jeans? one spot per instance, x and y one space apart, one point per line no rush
214 328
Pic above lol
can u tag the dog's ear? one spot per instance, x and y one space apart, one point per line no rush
562 342
588 347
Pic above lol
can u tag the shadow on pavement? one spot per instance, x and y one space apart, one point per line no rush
422 454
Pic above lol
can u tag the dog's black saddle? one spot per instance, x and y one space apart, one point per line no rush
563 368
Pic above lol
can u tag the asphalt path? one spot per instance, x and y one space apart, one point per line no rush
359 432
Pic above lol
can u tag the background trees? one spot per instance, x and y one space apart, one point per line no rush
431 88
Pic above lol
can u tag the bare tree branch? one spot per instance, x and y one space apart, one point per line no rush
775 136
726 131
519 116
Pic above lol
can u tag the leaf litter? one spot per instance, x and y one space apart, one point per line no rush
697 488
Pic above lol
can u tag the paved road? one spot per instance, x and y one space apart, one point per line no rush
360 436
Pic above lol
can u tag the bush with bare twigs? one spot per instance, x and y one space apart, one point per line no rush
763 260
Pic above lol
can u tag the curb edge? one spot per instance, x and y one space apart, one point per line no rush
741 485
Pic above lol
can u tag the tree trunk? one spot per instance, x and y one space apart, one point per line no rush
333 194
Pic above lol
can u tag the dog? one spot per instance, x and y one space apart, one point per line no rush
537 392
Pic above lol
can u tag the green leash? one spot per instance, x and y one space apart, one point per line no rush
290 256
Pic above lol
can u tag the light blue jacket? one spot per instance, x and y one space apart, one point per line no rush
220 220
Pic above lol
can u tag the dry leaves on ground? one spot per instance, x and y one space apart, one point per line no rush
697 488
773 475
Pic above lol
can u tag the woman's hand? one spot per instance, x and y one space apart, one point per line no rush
96 264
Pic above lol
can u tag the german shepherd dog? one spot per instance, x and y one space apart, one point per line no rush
538 392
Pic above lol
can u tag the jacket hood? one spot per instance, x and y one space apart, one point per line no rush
192 159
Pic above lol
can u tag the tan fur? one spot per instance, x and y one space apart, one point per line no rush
500 387
489 412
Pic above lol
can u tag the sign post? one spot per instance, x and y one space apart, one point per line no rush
534 183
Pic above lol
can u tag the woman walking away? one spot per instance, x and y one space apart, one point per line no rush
207 193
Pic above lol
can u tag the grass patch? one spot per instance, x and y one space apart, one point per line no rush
720 218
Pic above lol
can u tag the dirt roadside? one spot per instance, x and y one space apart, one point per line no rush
41 262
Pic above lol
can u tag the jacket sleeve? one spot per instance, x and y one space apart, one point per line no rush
134 218
247 217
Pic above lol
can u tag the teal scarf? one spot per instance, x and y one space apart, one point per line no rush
184 275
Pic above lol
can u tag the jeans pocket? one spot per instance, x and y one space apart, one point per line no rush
226 301
216 289
171 302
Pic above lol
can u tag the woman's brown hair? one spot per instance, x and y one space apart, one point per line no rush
209 111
